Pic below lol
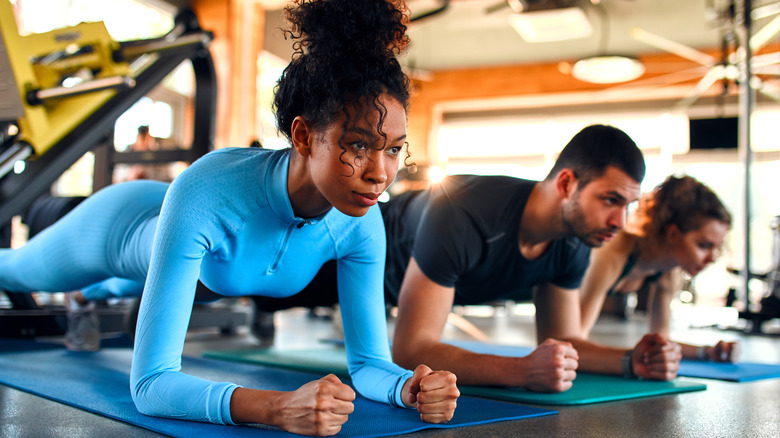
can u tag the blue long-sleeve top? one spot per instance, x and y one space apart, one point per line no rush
227 220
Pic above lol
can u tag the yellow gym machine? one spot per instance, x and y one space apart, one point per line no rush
54 80
62 91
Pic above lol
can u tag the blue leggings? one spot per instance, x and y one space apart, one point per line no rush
104 237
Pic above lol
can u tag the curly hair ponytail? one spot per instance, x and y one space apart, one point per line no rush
684 202
345 52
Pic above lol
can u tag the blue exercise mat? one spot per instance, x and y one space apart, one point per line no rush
497 349
99 382
732 372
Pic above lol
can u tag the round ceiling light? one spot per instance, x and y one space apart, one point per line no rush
608 69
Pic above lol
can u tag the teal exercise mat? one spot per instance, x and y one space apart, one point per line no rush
739 372
331 357
98 382
588 388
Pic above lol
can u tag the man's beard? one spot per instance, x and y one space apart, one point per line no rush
577 226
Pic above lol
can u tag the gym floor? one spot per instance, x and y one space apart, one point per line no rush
725 409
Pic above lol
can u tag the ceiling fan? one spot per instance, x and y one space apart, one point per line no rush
724 69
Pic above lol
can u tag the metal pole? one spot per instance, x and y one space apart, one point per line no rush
17 152
113 83
746 103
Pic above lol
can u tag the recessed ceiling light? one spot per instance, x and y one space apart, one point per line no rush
551 25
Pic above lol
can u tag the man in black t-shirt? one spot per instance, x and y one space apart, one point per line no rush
475 239
464 233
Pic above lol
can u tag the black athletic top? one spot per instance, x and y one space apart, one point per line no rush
464 233
630 262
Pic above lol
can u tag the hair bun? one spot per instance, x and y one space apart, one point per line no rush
359 29
344 51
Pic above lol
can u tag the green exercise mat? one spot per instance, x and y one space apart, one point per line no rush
587 388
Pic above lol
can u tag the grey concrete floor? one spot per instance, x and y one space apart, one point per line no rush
724 410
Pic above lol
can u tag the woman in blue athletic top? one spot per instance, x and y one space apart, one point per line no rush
679 227
248 221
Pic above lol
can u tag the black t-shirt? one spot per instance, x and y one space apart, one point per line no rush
464 233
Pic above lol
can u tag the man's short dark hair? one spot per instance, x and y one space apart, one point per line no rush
594 149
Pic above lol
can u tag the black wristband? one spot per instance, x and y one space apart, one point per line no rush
628 365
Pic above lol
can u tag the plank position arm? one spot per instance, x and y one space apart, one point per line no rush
422 313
